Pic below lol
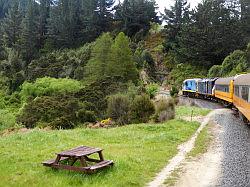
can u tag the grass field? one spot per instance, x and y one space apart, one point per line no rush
186 111
139 152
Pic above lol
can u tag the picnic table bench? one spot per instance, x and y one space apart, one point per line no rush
67 159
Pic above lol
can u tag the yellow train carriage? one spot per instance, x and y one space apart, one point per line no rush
241 98
224 89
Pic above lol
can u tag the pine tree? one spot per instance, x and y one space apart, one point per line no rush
97 66
12 68
12 27
136 15
122 63
64 24
105 16
44 11
29 37
212 34
245 18
175 17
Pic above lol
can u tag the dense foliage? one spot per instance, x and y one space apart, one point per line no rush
67 62
49 86
235 63
208 33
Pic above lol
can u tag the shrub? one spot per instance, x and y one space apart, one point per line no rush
142 109
233 64
174 91
185 71
214 71
61 63
152 90
49 86
118 108
164 110
84 115
57 111
7 119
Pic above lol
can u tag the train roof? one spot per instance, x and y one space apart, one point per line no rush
224 81
207 80
196 79
242 80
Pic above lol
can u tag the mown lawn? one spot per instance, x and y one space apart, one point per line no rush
139 152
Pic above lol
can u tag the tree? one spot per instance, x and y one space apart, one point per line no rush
135 15
175 18
29 37
212 33
12 68
122 63
97 65
12 27
105 16
44 12
245 17
63 28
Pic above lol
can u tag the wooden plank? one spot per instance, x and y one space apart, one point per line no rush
101 155
91 159
102 164
80 151
52 161
71 168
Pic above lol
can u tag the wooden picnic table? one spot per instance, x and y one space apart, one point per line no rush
67 159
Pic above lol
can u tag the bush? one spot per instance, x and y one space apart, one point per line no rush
49 86
7 119
214 71
57 111
84 115
174 91
118 108
152 90
233 64
142 109
164 110
185 71
61 64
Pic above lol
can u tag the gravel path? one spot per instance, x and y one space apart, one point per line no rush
235 137
233 143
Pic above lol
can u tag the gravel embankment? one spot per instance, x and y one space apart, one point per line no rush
235 137
199 103
233 141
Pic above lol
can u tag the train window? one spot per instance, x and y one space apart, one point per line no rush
249 94
223 88
237 91
245 92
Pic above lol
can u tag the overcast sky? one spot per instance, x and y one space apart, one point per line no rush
167 3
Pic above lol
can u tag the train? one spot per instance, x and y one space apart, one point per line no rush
231 91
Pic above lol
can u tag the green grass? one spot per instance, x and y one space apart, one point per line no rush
186 111
139 152
201 143
173 178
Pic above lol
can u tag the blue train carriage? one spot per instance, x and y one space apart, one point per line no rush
190 87
206 88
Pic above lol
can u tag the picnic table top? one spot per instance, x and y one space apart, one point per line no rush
79 151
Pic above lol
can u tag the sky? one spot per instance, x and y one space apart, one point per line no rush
167 3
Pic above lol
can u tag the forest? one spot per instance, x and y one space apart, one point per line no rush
68 62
